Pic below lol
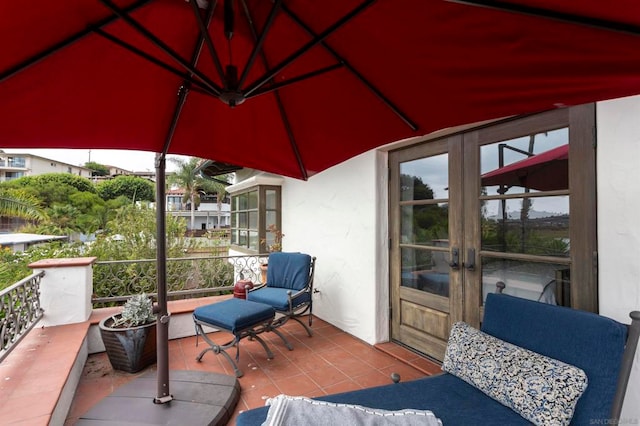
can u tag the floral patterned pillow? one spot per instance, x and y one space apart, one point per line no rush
543 390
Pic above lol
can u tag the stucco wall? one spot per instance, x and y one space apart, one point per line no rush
333 216
618 168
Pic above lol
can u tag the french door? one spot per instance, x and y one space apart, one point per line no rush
506 208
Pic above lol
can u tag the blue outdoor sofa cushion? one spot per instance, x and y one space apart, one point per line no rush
585 340
588 341
449 398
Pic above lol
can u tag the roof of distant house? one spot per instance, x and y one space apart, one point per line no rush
20 238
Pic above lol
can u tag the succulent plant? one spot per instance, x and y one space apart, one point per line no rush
138 310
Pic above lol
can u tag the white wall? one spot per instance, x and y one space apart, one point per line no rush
618 173
334 216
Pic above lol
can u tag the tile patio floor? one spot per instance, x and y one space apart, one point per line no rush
329 362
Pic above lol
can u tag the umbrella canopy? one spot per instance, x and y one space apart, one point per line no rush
546 171
293 86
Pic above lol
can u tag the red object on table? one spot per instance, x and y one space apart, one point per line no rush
239 289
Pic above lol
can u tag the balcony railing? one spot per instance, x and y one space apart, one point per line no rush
189 277
19 311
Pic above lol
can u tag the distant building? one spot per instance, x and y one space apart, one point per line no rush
17 165
149 174
206 214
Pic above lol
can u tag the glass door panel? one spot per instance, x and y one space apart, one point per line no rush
533 225
424 224
524 216
543 282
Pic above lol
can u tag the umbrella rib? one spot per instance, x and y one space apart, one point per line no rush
539 12
184 89
317 39
384 99
160 44
291 81
207 38
276 94
66 42
258 45
153 60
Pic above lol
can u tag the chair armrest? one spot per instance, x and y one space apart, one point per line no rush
293 295
257 287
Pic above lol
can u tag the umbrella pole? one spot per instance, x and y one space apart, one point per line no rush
162 324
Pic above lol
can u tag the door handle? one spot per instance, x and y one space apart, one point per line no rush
455 258
470 263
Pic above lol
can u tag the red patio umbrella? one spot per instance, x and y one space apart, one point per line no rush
331 79
546 171
295 86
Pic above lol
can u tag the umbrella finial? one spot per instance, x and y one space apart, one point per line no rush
231 95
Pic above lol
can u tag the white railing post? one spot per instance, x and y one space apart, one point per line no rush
65 289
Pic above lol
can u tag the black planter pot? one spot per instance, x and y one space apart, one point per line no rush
129 349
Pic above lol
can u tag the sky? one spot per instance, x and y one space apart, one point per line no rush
135 161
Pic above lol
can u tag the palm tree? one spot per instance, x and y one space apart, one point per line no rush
64 217
14 203
217 186
188 177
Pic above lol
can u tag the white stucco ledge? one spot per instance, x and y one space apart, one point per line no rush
62 263
260 179
65 289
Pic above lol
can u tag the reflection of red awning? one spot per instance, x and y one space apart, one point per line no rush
546 171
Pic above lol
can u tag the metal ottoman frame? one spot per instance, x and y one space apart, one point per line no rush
228 316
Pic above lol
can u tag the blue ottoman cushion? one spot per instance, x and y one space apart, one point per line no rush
234 314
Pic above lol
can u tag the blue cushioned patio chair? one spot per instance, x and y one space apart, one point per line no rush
288 288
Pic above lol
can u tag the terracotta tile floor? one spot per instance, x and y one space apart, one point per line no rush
331 361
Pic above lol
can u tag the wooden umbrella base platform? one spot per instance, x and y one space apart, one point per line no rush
199 398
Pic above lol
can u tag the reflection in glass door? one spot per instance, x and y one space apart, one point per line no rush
424 227
524 217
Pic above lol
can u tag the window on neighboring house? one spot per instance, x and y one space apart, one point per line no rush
174 203
16 162
13 175
252 212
